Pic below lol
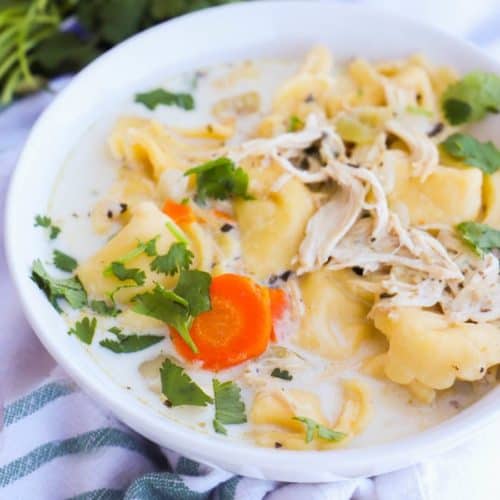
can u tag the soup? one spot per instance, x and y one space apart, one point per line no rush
298 254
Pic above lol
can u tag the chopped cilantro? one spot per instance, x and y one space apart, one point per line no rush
104 309
115 330
470 98
46 222
220 179
64 262
177 258
130 343
149 248
84 330
159 96
123 273
483 155
178 387
283 374
295 124
42 221
480 237
69 289
218 427
321 431
194 287
229 407
168 307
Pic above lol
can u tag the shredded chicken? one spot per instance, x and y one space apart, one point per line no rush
354 227
424 153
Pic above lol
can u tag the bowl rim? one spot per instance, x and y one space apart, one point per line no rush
353 462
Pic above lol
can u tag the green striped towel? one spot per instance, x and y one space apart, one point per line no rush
57 444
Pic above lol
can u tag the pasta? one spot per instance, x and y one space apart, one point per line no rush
293 268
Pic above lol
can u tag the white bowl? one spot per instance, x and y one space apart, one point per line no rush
211 36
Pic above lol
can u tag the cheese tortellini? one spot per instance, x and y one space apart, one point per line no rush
425 347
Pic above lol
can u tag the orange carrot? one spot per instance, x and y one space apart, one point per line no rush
279 304
180 213
237 328
222 215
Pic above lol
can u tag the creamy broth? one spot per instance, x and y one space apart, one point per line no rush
89 173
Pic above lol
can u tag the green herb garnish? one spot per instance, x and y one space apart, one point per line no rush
168 307
64 262
178 387
69 289
138 276
229 407
130 343
283 374
104 309
194 287
177 258
149 248
84 330
295 124
321 431
156 97
483 155
472 97
46 222
220 179
480 237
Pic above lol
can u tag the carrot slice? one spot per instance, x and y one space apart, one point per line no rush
180 213
237 328
279 304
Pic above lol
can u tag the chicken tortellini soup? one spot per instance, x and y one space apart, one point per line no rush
298 254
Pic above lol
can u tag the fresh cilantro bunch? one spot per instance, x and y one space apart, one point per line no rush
33 48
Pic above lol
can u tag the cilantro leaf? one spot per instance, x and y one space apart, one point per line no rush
283 374
483 155
470 98
480 237
178 387
123 273
168 307
295 124
42 221
64 262
220 179
84 330
69 289
102 308
177 258
194 286
115 330
46 222
130 343
149 248
321 431
159 96
218 427
229 407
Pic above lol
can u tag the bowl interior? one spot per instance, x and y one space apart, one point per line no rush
219 35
